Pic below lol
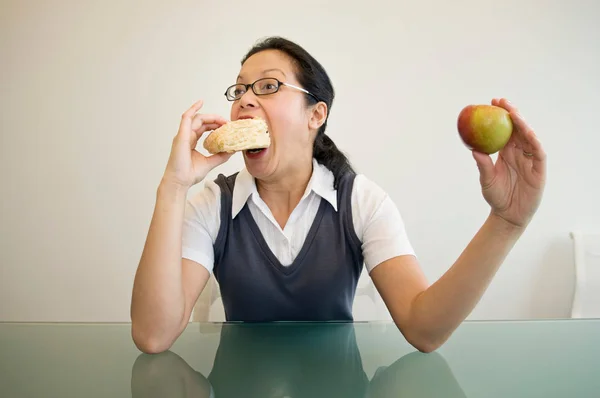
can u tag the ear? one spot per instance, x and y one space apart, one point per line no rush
318 115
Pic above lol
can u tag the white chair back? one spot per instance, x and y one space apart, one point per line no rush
586 297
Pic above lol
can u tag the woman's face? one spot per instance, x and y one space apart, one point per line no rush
291 122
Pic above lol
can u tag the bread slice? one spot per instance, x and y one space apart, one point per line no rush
239 135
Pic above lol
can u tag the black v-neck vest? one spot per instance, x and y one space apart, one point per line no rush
318 286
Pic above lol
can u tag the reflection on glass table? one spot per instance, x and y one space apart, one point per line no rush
298 361
554 358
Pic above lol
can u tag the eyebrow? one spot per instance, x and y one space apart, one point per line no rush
265 72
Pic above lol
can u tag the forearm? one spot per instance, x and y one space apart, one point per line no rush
440 309
158 301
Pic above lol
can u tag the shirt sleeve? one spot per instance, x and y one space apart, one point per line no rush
201 225
378 223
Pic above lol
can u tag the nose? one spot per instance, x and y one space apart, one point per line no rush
248 100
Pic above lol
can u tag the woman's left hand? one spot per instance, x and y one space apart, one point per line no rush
513 186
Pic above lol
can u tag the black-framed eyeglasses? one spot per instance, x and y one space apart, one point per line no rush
264 86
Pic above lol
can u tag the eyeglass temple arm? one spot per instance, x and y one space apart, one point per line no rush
301 89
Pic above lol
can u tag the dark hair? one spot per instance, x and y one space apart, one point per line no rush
312 76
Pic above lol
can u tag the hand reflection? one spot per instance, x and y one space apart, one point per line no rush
291 361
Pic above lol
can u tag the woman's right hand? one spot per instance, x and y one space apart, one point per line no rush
187 166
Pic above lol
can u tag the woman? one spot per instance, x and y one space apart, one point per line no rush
287 236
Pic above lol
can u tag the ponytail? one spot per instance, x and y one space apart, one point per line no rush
327 153
312 77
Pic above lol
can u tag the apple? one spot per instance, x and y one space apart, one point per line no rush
484 128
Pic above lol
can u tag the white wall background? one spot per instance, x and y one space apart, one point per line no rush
92 92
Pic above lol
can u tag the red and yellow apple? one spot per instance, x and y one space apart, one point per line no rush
484 128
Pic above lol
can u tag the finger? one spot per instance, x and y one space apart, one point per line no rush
193 109
486 168
539 162
207 127
186 119
529 144
506 104
191 137
199 132
200 119
524 133
538 155
218 159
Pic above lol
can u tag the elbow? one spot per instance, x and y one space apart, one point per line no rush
425 346
148 342
148 346
425 343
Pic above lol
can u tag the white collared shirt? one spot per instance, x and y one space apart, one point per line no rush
377 221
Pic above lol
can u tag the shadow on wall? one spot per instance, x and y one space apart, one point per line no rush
549 297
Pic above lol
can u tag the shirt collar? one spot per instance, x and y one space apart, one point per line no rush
321 183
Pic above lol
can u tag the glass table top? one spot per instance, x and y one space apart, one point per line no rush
558 358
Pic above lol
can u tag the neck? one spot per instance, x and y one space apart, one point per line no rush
282 194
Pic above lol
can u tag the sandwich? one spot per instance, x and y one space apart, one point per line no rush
239 135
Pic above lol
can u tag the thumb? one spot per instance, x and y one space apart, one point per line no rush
218 159
486 168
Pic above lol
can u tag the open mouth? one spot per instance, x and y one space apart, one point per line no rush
254 153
